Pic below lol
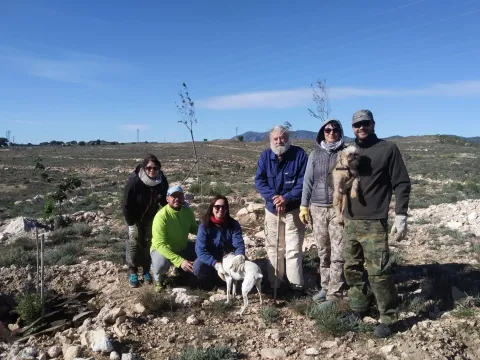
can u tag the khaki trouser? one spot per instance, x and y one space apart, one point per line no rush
292 233
329 240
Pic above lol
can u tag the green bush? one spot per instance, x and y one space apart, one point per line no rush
64 254
216 353
157 303
82 229
62 235
269 314
29 307
220 308
16 255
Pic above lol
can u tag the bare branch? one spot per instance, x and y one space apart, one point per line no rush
320 98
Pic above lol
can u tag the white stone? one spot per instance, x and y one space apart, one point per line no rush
72 352
42 356
182 298
113 314
114 356
328 344
311 351
254 207
454 225
28 353
242 212
472 217
217 297
387 349
260 235
192 320
129 356
164 320
139 309
273 353
54 351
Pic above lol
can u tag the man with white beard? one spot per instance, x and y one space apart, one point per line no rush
279 179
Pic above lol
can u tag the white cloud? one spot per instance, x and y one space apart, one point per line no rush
282 99
134 127
78 68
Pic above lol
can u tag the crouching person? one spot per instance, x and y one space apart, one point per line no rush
170 244
218 235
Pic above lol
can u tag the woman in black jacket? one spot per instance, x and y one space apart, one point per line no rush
145 193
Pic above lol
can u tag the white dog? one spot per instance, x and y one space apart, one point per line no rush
248 271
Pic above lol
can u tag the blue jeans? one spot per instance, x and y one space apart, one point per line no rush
161 265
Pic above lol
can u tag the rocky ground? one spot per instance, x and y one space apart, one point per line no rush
437 264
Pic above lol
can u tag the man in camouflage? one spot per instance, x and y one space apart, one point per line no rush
382 171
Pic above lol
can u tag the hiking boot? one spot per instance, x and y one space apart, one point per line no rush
382 331
133 281
159 286
147 278
320 296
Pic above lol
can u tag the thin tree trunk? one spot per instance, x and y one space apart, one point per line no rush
196 160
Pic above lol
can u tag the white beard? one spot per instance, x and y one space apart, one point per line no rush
280 150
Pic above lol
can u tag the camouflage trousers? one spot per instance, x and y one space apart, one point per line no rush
366 245
137 248
329 240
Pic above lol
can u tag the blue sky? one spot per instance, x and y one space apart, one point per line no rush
85 70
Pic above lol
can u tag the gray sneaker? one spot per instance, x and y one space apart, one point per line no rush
320 296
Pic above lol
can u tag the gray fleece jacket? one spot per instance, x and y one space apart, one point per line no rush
315 187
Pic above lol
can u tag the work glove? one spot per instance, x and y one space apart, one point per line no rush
131 231
220 271
304 215
399 228
238 261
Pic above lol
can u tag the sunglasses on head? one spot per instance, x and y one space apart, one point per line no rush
328 131
150 168
218 207
362 123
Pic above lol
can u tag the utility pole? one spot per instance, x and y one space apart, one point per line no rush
13 140
138 135
8 135
236 131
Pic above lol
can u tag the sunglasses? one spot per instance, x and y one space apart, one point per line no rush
328 131
362 123
218 207
152 168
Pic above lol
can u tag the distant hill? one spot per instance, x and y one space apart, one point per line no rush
252 136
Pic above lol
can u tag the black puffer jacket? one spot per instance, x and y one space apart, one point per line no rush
141 201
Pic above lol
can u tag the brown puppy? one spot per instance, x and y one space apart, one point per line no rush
345 176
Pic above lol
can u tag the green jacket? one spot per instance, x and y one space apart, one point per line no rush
170 231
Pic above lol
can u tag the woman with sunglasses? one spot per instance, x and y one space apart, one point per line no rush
218 234
316 207
145 193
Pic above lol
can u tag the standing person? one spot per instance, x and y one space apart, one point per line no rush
170 244
318 195
279 179
382 172
218 235
144 194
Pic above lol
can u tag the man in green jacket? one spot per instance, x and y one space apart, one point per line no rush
170 244
382 172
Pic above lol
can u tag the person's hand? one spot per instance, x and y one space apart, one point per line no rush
237 261
187 266
220 271
399 228
280 209
131 231
278 200
304 215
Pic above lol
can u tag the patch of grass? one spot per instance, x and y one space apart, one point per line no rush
63 254
216 353
269 314
331 320
157 303
311 259
396 258
26 243
29 307
416 305
16 255
62 235
467 307
422 221
82 229
207 189
220 308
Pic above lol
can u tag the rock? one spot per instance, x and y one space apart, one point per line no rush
311 351
369 320
18 202
42 356
273 353
457 294
130 356
114 356
260 235
472 217
242 212
329 344
454 225
112 315
96 340
54 351
273 334
72 352
182 298
28 353
387 349
192 320
139 309
254 207
164 320
217 297
121 319
13 328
